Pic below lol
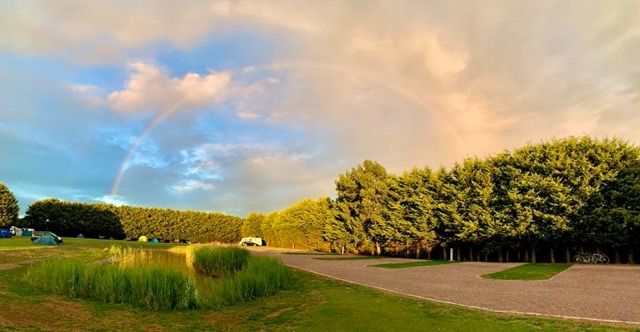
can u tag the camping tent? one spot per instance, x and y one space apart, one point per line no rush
46 240
143 239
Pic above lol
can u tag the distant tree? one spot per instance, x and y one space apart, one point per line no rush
8 207
252 226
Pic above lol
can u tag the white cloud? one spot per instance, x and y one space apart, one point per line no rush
88 94
405 83
151 88
191 185
100 31
248 115
112 199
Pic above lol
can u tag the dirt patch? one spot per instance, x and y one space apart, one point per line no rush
8 266
278 313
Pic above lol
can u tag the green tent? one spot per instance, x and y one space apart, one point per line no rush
46 240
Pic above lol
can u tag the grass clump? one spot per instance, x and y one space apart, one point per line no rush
263 276
219 262
151 287
529 272
411 264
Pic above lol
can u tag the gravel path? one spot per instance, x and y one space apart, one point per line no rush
596 292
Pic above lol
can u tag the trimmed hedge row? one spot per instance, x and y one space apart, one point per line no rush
98 219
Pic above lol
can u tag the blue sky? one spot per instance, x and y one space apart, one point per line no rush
242 106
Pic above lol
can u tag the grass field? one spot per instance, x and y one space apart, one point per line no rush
529 272
411 264
310 303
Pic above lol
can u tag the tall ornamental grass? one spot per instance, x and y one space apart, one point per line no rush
147 286
219 262
263 276
135 277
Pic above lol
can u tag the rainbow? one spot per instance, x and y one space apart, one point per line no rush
399 90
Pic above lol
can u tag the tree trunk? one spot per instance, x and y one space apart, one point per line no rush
552 255
470 253
567 254
444 253
478 256
533 255
429 254
293 246
500 258
459 254
418 252
526 255
519 255
378 250
342 250
617 256
486 257
631 259
507 258
598 249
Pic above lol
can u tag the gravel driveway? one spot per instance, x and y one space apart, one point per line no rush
583 291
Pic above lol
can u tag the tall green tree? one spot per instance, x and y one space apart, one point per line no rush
411 210
612 216
8 207
361 194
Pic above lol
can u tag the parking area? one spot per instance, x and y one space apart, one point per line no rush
600 292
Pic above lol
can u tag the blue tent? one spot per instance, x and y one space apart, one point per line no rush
46 240
5 233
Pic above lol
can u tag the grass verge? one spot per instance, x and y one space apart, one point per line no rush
411 264
529 272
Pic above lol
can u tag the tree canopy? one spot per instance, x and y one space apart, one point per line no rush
8 207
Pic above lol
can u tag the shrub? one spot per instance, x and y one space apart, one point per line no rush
263 276
218 262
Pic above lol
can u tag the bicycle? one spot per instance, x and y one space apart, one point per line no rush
589 258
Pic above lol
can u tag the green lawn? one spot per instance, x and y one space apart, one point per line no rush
346 258
411 264
15 243
310 303
529 272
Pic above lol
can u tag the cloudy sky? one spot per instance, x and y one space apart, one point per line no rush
240 106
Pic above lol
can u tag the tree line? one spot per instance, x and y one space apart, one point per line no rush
540 202
118 222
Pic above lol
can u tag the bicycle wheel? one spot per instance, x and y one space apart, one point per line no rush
577 259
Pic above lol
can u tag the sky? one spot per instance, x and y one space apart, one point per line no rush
240 106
